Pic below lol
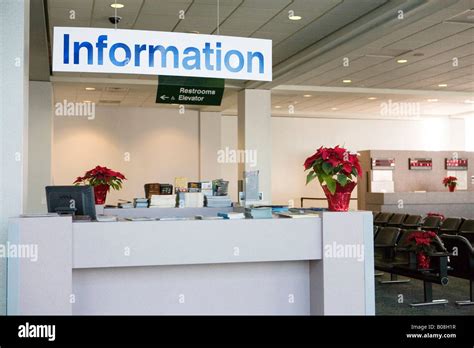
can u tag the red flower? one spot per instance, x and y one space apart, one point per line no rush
102 176
333 166
347 168
449 180
421 241
310 160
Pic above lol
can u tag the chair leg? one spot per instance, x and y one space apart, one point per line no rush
471 296
428 297
394 280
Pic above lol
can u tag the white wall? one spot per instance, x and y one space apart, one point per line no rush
163 144
160 144
469 131
294 139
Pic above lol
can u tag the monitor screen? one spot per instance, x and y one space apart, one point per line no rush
73 200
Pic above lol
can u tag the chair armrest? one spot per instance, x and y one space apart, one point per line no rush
439 254
384 246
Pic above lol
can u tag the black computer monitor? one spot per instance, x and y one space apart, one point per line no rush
72 200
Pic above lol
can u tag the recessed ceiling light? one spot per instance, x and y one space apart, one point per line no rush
90 88
294 18
334 109
432 100
371 98
278 107
307 96
469 101
442 85
346 81
402 61
117 5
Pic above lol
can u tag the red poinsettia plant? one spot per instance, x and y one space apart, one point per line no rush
333 167
102 176
450 181
421 241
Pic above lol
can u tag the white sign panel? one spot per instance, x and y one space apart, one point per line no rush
462 178
98 50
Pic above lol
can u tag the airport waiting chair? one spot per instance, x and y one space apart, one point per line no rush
376 229
412 222
467 226
431 223
450 225
382 219
467 230
399 256
384 244
396 220
461 262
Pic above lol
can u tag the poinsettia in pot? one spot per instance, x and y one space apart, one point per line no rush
421 243
101 179
336 169
450 182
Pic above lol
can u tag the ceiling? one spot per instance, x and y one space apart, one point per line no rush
435 37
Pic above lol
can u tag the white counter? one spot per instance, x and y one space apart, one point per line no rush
272 266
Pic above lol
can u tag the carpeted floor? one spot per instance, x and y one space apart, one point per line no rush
387 297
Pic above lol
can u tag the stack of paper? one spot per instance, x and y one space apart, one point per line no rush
125 205
193 199
206 188
140 203
259 213
163 201
218 201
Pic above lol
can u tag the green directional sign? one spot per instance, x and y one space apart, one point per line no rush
189 90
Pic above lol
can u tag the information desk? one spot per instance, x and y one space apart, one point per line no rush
454 204
269 266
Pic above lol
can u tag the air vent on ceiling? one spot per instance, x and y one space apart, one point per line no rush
110 102
466 17
116 89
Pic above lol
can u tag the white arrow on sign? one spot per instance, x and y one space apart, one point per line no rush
164 97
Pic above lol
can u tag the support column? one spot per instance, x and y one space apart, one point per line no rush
40 129
255 136
14 43
209 145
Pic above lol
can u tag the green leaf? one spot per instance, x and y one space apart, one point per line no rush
342 179
327 168
311 175
331 184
